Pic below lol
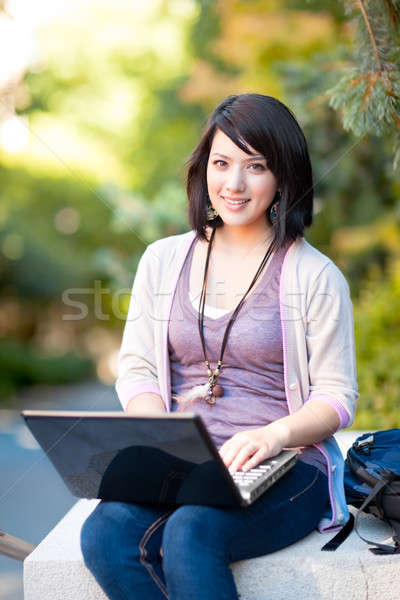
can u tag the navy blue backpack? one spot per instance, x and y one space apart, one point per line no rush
372 484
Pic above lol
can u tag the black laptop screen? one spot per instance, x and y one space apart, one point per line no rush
127 459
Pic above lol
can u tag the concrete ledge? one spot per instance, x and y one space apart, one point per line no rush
55 569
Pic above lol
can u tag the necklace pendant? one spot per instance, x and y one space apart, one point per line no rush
215 390
210 395
218 390
210 399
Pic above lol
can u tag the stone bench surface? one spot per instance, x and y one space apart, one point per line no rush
55 569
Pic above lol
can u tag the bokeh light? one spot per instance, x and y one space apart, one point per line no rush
13 246
67 220
14 134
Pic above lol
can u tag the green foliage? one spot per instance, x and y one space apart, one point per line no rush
366 102
165 215
52 259
377 326
368 94
107 110
353 179
22 364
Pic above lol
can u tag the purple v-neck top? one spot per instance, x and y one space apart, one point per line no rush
252 374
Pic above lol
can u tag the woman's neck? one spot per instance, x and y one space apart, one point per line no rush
236 240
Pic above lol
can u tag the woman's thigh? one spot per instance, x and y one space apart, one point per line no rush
121 543
289 511
113 524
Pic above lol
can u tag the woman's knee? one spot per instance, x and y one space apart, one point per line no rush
196 554
102 534
190 532
94 533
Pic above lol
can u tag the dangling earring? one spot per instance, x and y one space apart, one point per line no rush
211 212
274 210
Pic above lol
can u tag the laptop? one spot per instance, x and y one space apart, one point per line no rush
169 459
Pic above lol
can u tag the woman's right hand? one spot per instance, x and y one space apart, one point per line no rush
146 404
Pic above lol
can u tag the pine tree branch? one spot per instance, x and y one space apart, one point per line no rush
371 34
394 12
396 120
383 70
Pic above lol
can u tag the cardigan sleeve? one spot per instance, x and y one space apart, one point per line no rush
330 344
136 360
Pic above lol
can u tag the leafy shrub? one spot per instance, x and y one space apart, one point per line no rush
22 364
377 328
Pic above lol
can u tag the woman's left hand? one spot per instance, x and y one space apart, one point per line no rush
248 448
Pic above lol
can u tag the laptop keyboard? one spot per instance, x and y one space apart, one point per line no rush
251 484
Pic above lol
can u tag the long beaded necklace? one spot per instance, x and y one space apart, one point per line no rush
214 389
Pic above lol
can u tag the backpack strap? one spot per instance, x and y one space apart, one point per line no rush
396 537
340 537
360 472
377 492
375 495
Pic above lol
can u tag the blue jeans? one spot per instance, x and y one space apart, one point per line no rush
153 552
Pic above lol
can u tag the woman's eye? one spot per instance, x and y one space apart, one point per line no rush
253 166
257 166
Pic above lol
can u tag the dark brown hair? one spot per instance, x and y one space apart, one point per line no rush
270 128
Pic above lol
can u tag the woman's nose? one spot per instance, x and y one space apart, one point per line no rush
235 181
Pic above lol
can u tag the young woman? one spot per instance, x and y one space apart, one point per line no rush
244 322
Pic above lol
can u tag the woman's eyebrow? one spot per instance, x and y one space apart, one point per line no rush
252 157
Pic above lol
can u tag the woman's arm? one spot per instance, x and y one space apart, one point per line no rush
330 344
145 404
315 421
331 373
137 372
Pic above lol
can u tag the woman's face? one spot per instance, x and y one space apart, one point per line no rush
240 185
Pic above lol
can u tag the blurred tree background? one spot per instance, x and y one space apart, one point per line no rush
100 110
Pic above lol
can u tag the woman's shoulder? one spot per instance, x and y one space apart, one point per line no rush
305 252
173 241
312 264
165 249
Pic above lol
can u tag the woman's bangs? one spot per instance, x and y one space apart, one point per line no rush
244 137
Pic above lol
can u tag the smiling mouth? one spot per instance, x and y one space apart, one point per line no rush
236 202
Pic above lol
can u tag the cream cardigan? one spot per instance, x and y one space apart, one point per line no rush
317 333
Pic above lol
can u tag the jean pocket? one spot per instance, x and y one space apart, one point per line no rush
308 486
150 555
